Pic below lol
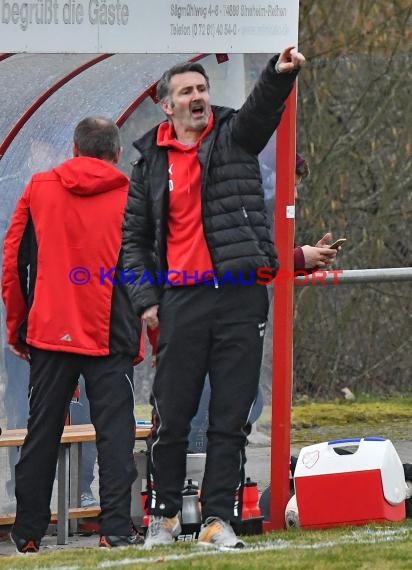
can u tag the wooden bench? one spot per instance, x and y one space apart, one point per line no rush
74 514
68 470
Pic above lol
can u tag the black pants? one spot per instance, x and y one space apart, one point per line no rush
219 331
109 387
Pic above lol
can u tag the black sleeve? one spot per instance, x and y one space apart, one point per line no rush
138 243
259 116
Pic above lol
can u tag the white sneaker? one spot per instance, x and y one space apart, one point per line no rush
162 530
88 500
215 532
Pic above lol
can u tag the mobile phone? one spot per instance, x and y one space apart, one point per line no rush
337 243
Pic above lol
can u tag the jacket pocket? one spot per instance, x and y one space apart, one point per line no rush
252 230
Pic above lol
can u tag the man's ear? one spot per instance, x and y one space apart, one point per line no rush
118 155
166 108
75 150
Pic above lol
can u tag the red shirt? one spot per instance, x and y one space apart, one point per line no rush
188 255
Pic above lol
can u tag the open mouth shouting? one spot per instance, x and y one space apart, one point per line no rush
198 110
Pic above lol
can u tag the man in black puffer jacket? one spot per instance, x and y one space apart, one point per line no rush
195 233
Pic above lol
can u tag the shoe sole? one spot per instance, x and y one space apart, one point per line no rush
175 533
23 553
149 546
238 545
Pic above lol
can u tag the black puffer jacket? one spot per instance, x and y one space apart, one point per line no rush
234 216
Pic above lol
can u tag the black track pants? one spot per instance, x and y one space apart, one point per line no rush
220 331
109 387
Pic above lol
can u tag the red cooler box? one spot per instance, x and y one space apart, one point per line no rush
365 485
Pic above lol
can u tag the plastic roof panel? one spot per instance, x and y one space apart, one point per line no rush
24 77
105 89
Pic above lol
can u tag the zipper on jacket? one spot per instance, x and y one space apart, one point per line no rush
203 180
252 229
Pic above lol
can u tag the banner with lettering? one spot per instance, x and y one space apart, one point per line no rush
147 26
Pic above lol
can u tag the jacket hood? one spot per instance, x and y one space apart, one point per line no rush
88 176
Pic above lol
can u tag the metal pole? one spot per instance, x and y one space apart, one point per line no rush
348 276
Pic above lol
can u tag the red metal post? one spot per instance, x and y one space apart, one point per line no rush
282 368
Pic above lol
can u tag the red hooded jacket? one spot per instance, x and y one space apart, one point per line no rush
64 238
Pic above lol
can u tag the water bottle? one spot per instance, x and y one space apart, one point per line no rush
252 520
190 515
250 508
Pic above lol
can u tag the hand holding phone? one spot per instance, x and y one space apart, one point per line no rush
337 244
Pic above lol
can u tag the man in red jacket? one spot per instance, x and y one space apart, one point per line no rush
65 316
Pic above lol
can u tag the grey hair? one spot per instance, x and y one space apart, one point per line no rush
163 86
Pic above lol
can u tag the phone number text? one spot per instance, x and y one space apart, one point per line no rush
199 30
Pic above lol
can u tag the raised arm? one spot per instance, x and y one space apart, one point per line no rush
260 115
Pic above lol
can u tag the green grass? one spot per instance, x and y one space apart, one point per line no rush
381 547
363 417
143 412
321 421
342 412
306 413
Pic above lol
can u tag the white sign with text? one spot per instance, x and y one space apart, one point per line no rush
147 26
